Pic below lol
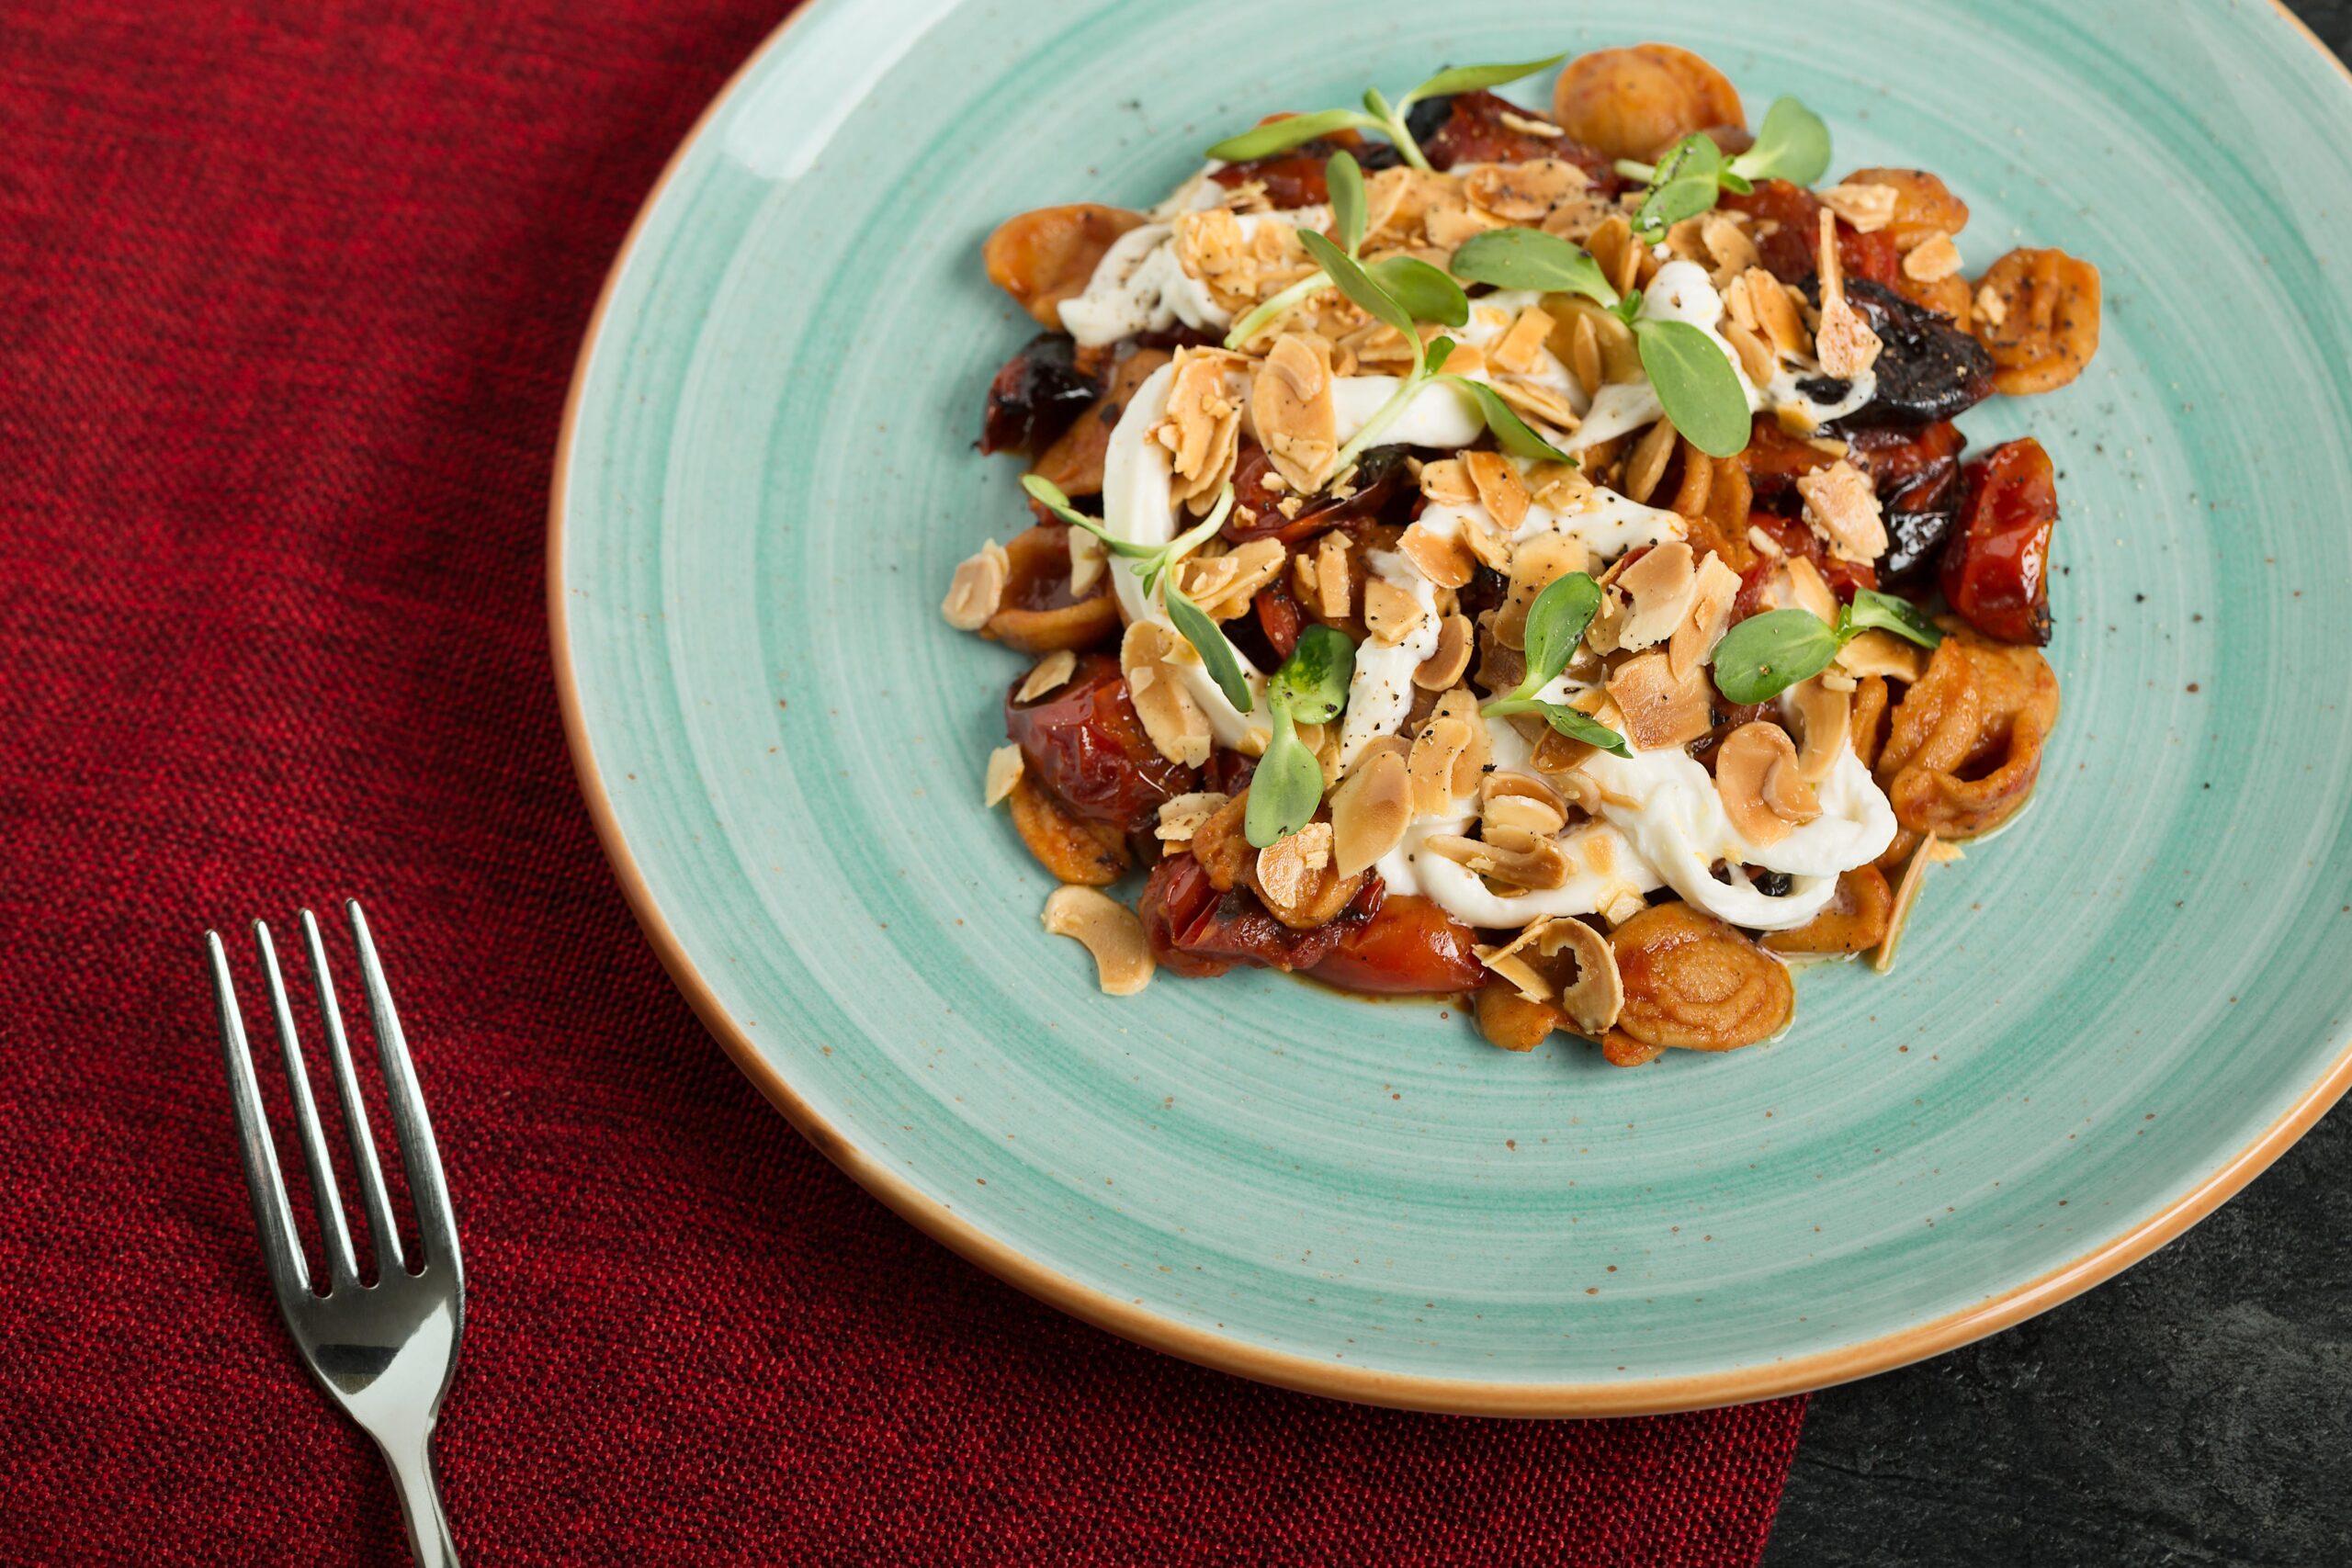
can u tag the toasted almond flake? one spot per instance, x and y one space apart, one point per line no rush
977 590
1086 559
1906 895
1292 411
1844 341
1535 566
1464 359
1810 588
1442 744
1824 719
1201 431
1224 585
1045 674
1660 711
1991 308
1538 404
1289 868
1003 772
1509 801
1390 613
1444 561
1613 246
1332 585
1714 588
1756 357
1584 356
1106 929
1487 544
1370 810
1883 654
1500 488
1758 779
1451 223
1171 719
1180 816
1658 591
1527 126
1512 857
1729 241
1764 544
1524 192
1868 207
1460 704
1520 350
1567 963
1445 668
1446 483
1647 465
1560 486
1932 260
1841 507
1777 316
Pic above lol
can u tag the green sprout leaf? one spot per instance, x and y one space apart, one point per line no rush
1883 612
1427 294
1793 145
1555 622
1216 654
1049 495
1286 788
1344 179
1512 434
1685 183
1696 385
1529 258
1352 280
1282 135
1577 725
1312 684
1765 655
1474 78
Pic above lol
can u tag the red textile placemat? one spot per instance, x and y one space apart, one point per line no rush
289 299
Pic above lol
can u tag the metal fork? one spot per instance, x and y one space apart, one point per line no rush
385 1350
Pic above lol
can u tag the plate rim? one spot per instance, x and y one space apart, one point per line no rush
1129 1320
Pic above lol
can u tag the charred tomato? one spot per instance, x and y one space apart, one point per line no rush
1084 741
1195 931
1409 947
1790 249
1996 569
1035 395
1380 481
1469 128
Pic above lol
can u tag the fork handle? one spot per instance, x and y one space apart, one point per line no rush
428 1527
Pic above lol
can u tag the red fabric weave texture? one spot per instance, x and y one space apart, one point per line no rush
288 300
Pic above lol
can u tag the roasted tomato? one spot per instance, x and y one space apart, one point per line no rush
1196 931
1292 178
1469 129
1083 741
1927 369
1279 617
1844 577
1411 947
1035 395
1791 250
1997 565
1380 483
1775 461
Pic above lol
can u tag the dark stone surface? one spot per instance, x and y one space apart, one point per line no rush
2196 1410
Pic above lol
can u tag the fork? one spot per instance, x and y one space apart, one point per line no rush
384 1351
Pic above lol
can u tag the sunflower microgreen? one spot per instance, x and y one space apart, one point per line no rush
1765 655
1310 687
1793 144
1377 116
1555 622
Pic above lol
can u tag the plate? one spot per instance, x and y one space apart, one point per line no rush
2103 1023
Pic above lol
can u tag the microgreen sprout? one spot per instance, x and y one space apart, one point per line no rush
1378 115
1765 655
1424 292
1150 563
1793 144
1555 621
1691 374
1311 687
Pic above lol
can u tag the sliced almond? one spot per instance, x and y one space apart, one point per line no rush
1729 244
1087 559
1843 342
1777 316
1869 208
1660 588
1932 260
1509 856
1171 719
1201 431
1526 191
1003 772
1811 590
1619 255
1535 566
1500 488
1436 755
1444 559
1370 810
1584 356
1567 965
1521 801
1292 411
1224 585
1647 467
1521 349
1714 588
1333 583
1445 668
1825 718
1906 895
1841 507
1882 653
1446 482
1045 674
977 590
1756 357
1106 929
1390 613
1290 868
1758 780
1180 816
1658 710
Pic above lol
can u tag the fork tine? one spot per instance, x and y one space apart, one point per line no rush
272 1216
343 1268
365 1172
436 1227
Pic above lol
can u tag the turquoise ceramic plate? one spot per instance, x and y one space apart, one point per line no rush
2103 1023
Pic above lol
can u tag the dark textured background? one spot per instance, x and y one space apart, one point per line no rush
2192 1411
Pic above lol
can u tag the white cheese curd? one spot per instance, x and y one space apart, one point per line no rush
1439 415
1380 693
1137 508
1139 286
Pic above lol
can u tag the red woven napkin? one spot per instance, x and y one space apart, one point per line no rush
289 299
